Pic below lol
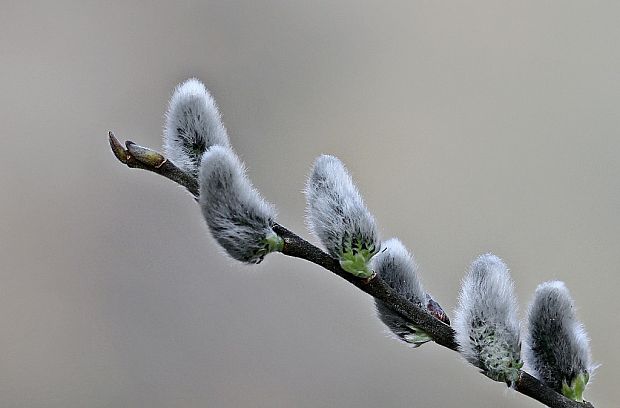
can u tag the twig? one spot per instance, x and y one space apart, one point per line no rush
138 157
135 156
298 247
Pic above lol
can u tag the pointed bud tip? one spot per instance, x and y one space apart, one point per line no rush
117 148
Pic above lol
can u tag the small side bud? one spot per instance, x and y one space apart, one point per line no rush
238 217
193 124
486 324
557 347
395 265
145 155
336 214
436 310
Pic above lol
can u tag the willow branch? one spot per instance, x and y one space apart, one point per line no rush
139 157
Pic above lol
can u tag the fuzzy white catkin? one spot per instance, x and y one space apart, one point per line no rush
238 217
193 124
336 213
396 266
486 322
557 347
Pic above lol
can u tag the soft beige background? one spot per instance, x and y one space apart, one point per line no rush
469 127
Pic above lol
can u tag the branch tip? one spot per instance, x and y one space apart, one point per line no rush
117 148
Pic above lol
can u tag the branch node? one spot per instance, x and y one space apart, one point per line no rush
367 280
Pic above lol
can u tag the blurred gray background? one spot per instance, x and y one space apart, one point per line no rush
469 127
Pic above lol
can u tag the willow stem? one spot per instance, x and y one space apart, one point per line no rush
139 157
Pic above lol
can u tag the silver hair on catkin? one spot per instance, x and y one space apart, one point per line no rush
336 214
557 347
396 266
486 323
193 124
239 219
